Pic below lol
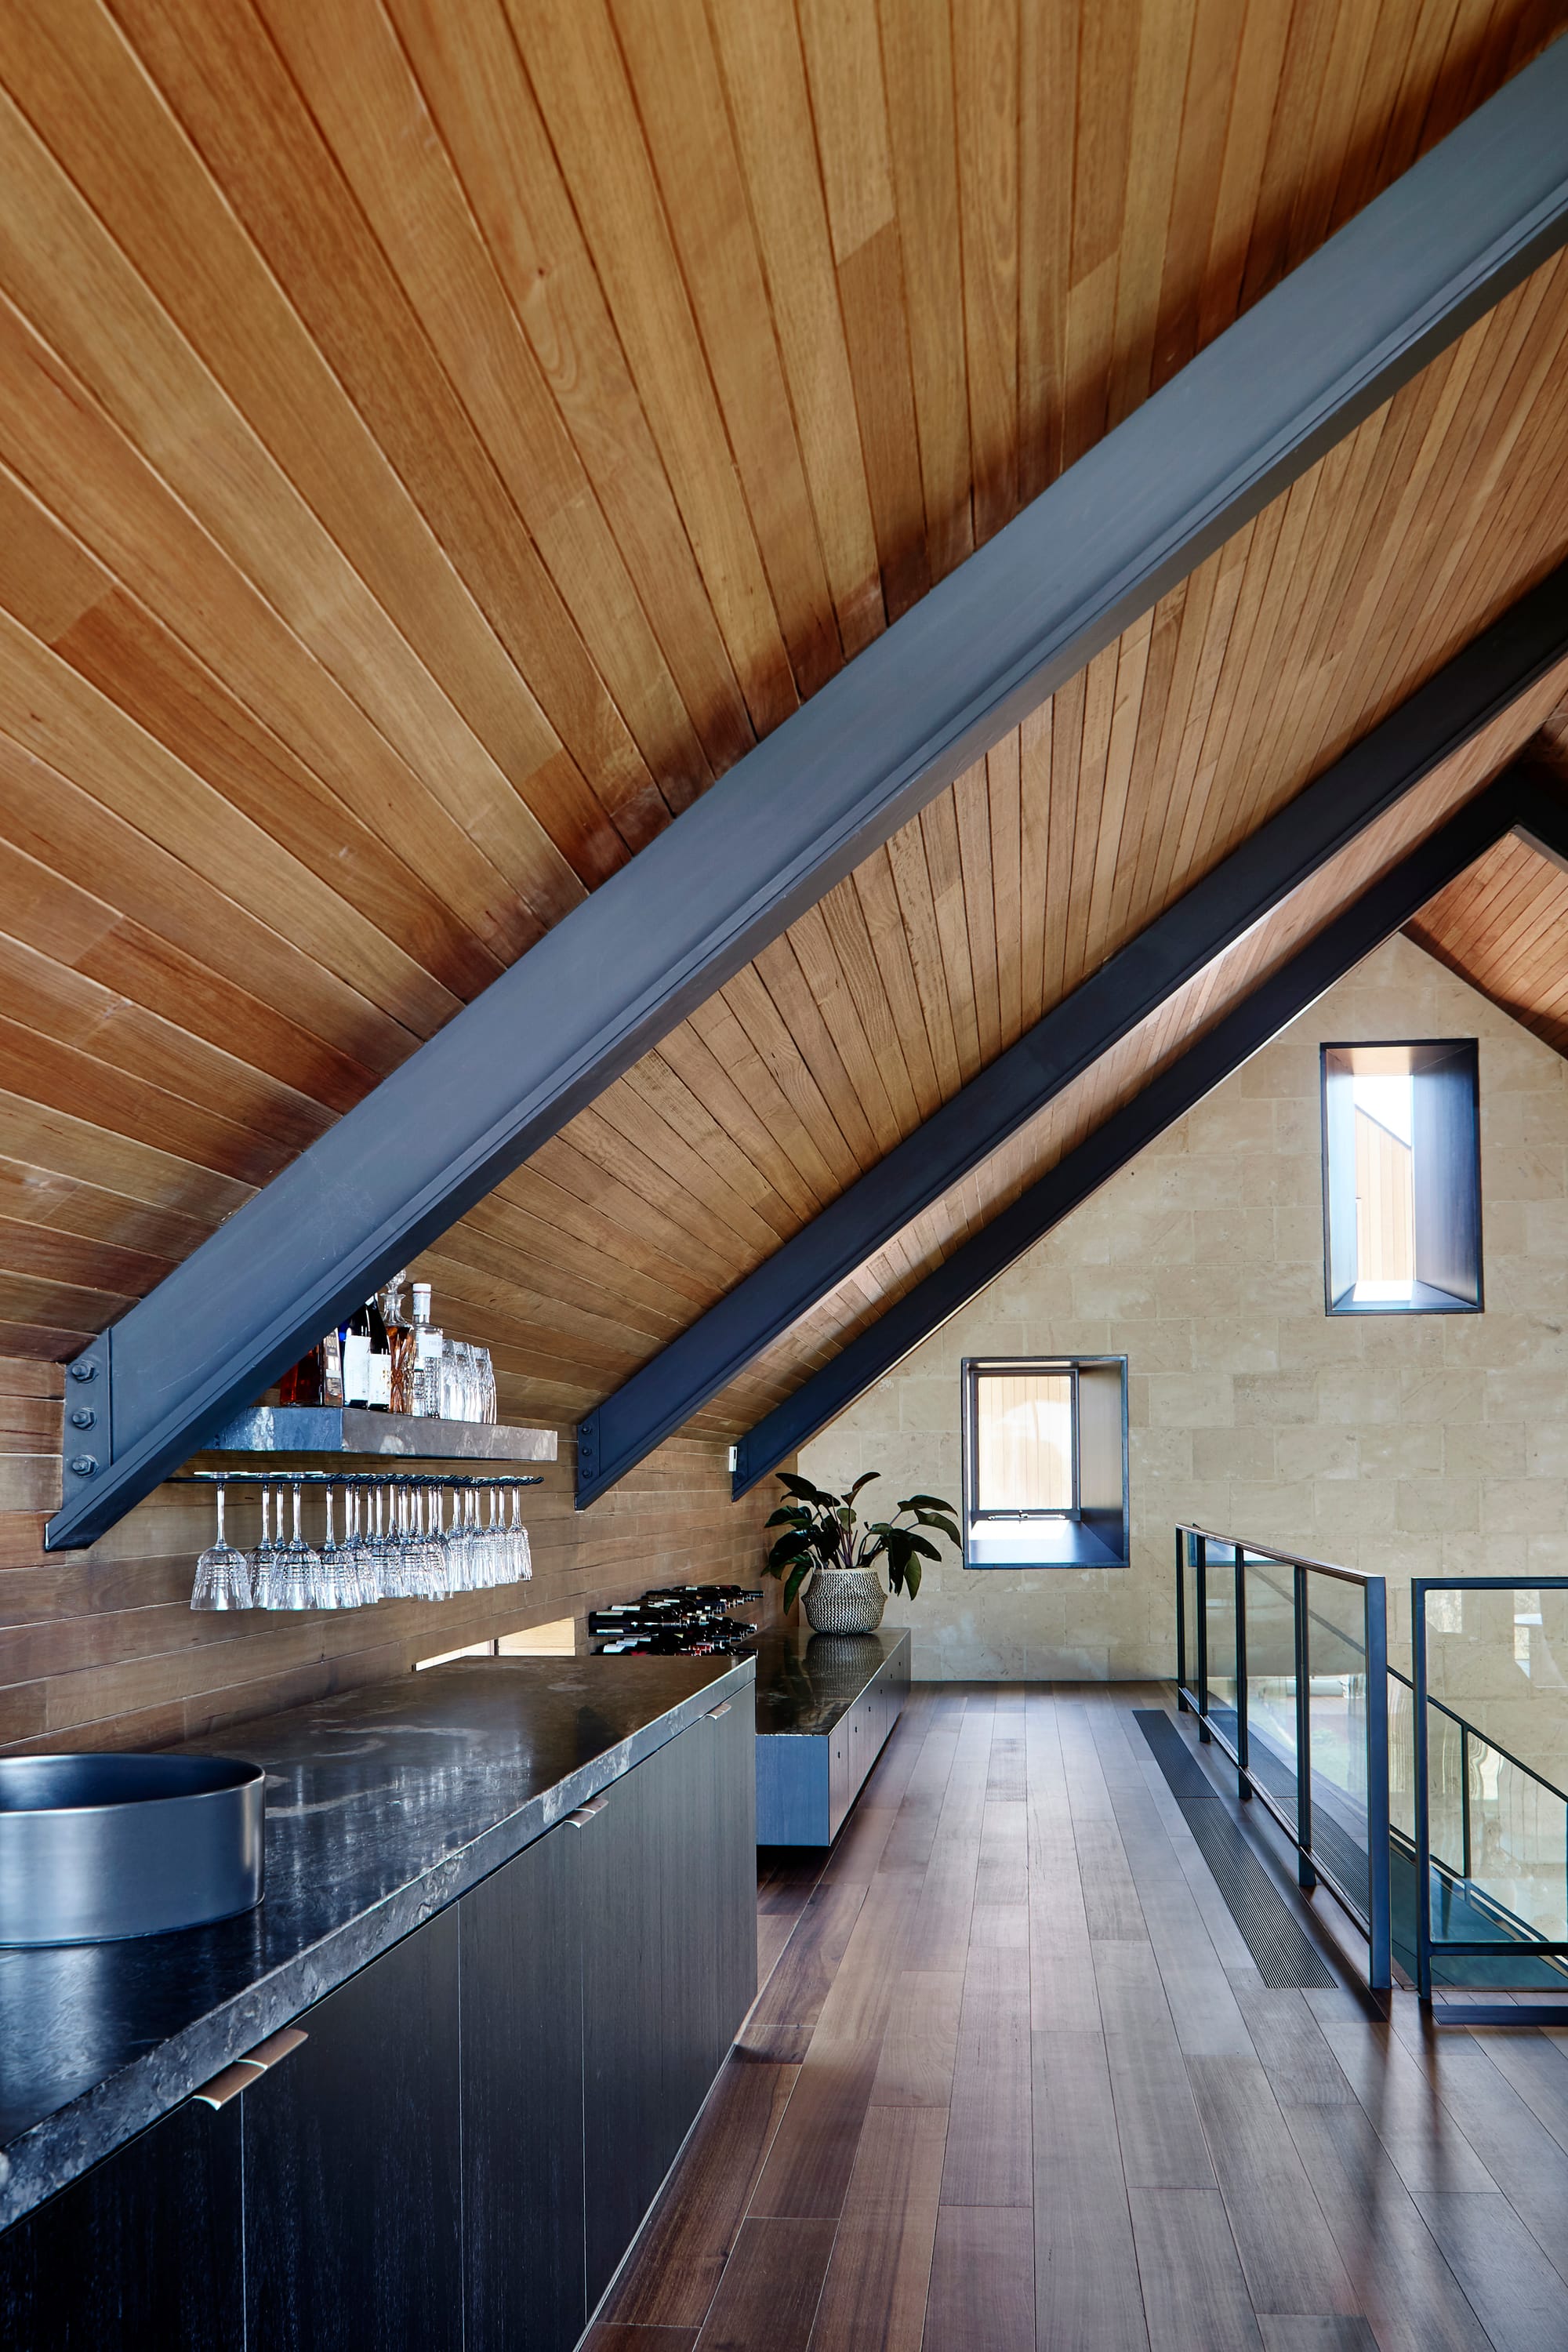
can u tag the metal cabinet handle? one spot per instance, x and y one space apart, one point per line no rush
588 1810
248 2069
722 1708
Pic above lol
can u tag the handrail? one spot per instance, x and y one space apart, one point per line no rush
1475 1731
1193 1543
1286 1558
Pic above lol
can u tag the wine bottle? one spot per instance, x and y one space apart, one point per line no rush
302 1382
367 1358
400 1344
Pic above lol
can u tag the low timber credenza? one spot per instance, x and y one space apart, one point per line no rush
825 1705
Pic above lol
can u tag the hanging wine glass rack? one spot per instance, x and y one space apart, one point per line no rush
410 1552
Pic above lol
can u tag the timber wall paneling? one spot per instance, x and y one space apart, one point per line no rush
100 1647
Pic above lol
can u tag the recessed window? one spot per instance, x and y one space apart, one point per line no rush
1044 1462
1402 1183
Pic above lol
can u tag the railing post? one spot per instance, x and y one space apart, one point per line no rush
1243 1778
1380 1937
1423 1817
1201 1570
1182 1542
1306 1876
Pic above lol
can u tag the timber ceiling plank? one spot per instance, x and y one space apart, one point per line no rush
300 551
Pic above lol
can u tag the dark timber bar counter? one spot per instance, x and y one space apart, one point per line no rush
825 1705
511 1905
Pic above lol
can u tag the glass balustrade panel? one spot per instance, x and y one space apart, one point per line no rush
1498 1659
1188 1663
1337 1710
1401 1757
1269 1599
1221 1629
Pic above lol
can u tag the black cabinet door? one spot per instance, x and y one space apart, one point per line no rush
735 1877
143 2250
352 2164
521 1953
708 1901
670 1963
624 1981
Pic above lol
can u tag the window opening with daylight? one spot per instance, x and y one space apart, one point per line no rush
1044 1462
1402 1178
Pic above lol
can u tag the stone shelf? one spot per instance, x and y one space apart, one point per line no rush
349 1429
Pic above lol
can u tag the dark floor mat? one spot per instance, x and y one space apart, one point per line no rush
1284 1955
1176 1759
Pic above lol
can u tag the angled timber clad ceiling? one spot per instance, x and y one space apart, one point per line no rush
1504 928
435 441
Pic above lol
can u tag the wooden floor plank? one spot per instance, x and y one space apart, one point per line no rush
989 2123
914 2067
680 2257
1409 2295
615 2335
1315 2332
768 2295
1514 2291
1086 2265
1287 2252
1162 2139
982 2281
877 2278
1193 2291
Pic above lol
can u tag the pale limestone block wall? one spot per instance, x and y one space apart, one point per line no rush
1403 1445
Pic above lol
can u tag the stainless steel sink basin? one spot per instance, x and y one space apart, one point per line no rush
93 1848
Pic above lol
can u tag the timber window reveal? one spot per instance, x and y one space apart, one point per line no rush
1402 1183
1044 1462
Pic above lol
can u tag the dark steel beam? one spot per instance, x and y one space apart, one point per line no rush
1522 799
1464 697
1317 354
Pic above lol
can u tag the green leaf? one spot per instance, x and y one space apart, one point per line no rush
926 1551
805 1490
864 1480
943 1525
926 1503
913 1578
789 1515
793 1587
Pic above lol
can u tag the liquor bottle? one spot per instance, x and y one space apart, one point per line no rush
302 1382
367 1358
402 1345
332 1353
428 1347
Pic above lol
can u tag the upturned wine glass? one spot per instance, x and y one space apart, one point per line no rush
223 1574
264 1558
298 1567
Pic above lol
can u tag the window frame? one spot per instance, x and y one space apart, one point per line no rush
1433 1299
972 1371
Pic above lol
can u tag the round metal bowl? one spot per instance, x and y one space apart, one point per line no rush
94 1848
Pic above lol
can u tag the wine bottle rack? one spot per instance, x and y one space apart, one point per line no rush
296 1429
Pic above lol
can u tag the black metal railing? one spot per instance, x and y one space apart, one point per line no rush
1284 1662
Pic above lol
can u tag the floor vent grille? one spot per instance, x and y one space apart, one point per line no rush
1286 1957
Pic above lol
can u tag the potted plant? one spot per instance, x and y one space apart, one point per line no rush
826 1549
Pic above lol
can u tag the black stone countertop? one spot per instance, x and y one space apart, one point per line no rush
807 1681
382 1807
